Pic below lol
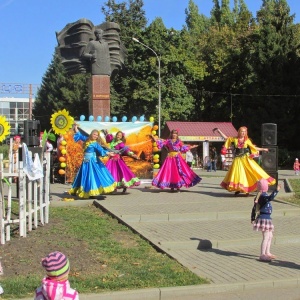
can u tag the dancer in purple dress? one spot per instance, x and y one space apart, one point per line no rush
175 172
123 176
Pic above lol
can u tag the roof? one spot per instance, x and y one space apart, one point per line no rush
203 129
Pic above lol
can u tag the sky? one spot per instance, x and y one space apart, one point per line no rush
28 29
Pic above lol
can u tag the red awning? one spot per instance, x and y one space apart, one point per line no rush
199 131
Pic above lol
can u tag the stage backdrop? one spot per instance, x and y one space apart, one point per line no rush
137 139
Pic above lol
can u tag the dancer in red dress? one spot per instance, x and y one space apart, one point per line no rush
123 176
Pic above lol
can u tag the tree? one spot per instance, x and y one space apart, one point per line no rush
131 18
275 64
59 91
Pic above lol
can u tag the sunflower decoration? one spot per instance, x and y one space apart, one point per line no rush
61 121
4 128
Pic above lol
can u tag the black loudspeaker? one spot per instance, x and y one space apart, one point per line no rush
269 160
269 134
33 150
32 131
274 186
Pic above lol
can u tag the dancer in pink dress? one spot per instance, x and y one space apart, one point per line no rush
123 176
175 172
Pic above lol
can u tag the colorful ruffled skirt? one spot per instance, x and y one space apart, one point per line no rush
175 173
92 178
244 174
123 176
261 224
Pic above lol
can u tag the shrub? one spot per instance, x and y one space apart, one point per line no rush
5 150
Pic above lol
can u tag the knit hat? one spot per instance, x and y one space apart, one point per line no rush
262 185
57 265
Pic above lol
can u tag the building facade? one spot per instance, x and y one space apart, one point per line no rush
16 110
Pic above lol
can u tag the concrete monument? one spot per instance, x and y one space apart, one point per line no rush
98 50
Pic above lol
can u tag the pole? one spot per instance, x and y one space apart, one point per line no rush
30 102
159 84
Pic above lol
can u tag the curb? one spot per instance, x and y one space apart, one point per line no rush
190 292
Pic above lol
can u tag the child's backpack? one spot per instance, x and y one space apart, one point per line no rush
256 208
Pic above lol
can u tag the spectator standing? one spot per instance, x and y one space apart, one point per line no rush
213 159
189 157
263 221
296 166
16 145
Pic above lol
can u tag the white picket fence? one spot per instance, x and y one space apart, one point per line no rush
32 198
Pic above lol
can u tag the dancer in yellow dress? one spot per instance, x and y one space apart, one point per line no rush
244 172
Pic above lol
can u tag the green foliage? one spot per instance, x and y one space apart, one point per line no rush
4 149
226 67
59 91
295 183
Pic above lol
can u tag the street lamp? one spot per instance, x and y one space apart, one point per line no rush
159 84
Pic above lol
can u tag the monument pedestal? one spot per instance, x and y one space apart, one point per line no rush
99 90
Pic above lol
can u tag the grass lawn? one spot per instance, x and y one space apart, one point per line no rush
104 256
295 183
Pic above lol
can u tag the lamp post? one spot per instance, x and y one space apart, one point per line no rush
159 84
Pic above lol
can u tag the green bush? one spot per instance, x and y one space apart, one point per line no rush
5 150
286 158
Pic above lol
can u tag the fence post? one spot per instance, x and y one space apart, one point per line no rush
29 203
47 187
1 202
22 203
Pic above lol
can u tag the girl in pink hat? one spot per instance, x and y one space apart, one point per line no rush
55 285
263 221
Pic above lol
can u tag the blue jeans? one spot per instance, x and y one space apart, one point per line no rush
213 165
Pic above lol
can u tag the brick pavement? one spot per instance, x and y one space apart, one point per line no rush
208 230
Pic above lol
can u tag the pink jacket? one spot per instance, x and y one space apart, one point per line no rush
55 290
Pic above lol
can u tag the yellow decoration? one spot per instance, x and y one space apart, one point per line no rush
61 172
63 165
61 121
153 132
67 199
156 156
89 143
4 128
64 143
156 166
63 151
154 144
151 119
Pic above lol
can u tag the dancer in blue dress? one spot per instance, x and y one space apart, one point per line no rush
92 178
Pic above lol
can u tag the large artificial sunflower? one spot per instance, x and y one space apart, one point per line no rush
61 121
4 128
